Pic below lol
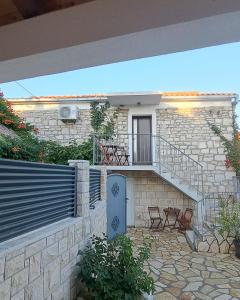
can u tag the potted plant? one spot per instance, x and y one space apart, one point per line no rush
229 221
111 270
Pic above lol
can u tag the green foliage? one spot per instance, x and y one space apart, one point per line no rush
12 121
229 218
231 146
58 154
103 119
111 271
26 146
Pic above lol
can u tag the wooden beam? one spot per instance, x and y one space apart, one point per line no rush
30 8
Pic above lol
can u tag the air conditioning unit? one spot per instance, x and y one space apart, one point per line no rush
68 113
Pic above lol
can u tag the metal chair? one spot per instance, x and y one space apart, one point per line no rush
155 218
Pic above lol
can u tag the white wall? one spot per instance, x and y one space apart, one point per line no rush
94 33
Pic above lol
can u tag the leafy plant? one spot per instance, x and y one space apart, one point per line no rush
12 121
229 217
231 146
59 154
26 146
111 271
103 119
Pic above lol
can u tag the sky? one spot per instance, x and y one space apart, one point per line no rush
212 69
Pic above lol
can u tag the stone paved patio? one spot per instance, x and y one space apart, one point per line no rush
178 271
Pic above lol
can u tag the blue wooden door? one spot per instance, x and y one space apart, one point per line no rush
116 205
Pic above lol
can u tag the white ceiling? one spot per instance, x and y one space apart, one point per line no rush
106 31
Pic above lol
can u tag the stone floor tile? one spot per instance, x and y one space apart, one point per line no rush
176 269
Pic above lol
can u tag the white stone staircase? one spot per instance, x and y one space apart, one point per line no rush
179 183
178 168
170 163
185 174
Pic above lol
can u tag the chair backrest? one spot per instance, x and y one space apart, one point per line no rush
153 211
101 147
188 214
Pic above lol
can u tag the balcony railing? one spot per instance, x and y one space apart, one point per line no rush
147 149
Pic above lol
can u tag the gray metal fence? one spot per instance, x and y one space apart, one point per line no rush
94 186
212 203
33 195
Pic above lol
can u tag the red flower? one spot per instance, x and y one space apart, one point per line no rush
238 162
7 122
41 156
35 130
15 149
21 126
9 107
238 136
228 163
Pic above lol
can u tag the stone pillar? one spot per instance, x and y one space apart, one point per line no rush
82 187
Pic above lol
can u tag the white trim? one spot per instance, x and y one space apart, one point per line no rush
149 110
182 98
130 201
131 168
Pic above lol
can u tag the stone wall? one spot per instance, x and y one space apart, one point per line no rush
188 129
182 123
41 265
51 128
150 190
7 132
213 242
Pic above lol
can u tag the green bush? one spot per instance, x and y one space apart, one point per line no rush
22 148
229 217
26 146
58 154
111 271
32 149
12 121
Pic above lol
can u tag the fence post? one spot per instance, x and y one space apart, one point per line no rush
82 198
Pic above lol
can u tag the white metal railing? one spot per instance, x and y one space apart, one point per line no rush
145 149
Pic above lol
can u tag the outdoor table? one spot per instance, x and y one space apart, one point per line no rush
111 155
173 213
109 152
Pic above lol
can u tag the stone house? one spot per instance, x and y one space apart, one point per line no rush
168 152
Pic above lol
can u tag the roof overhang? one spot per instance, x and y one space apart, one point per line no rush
131 99
103 32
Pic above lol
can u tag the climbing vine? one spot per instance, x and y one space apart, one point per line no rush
103 119
231 146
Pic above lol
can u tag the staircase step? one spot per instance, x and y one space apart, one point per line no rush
179 184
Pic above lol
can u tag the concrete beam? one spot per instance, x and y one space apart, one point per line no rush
106 31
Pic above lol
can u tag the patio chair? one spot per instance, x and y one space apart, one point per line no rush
122 156
185 219
155 218
106 155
